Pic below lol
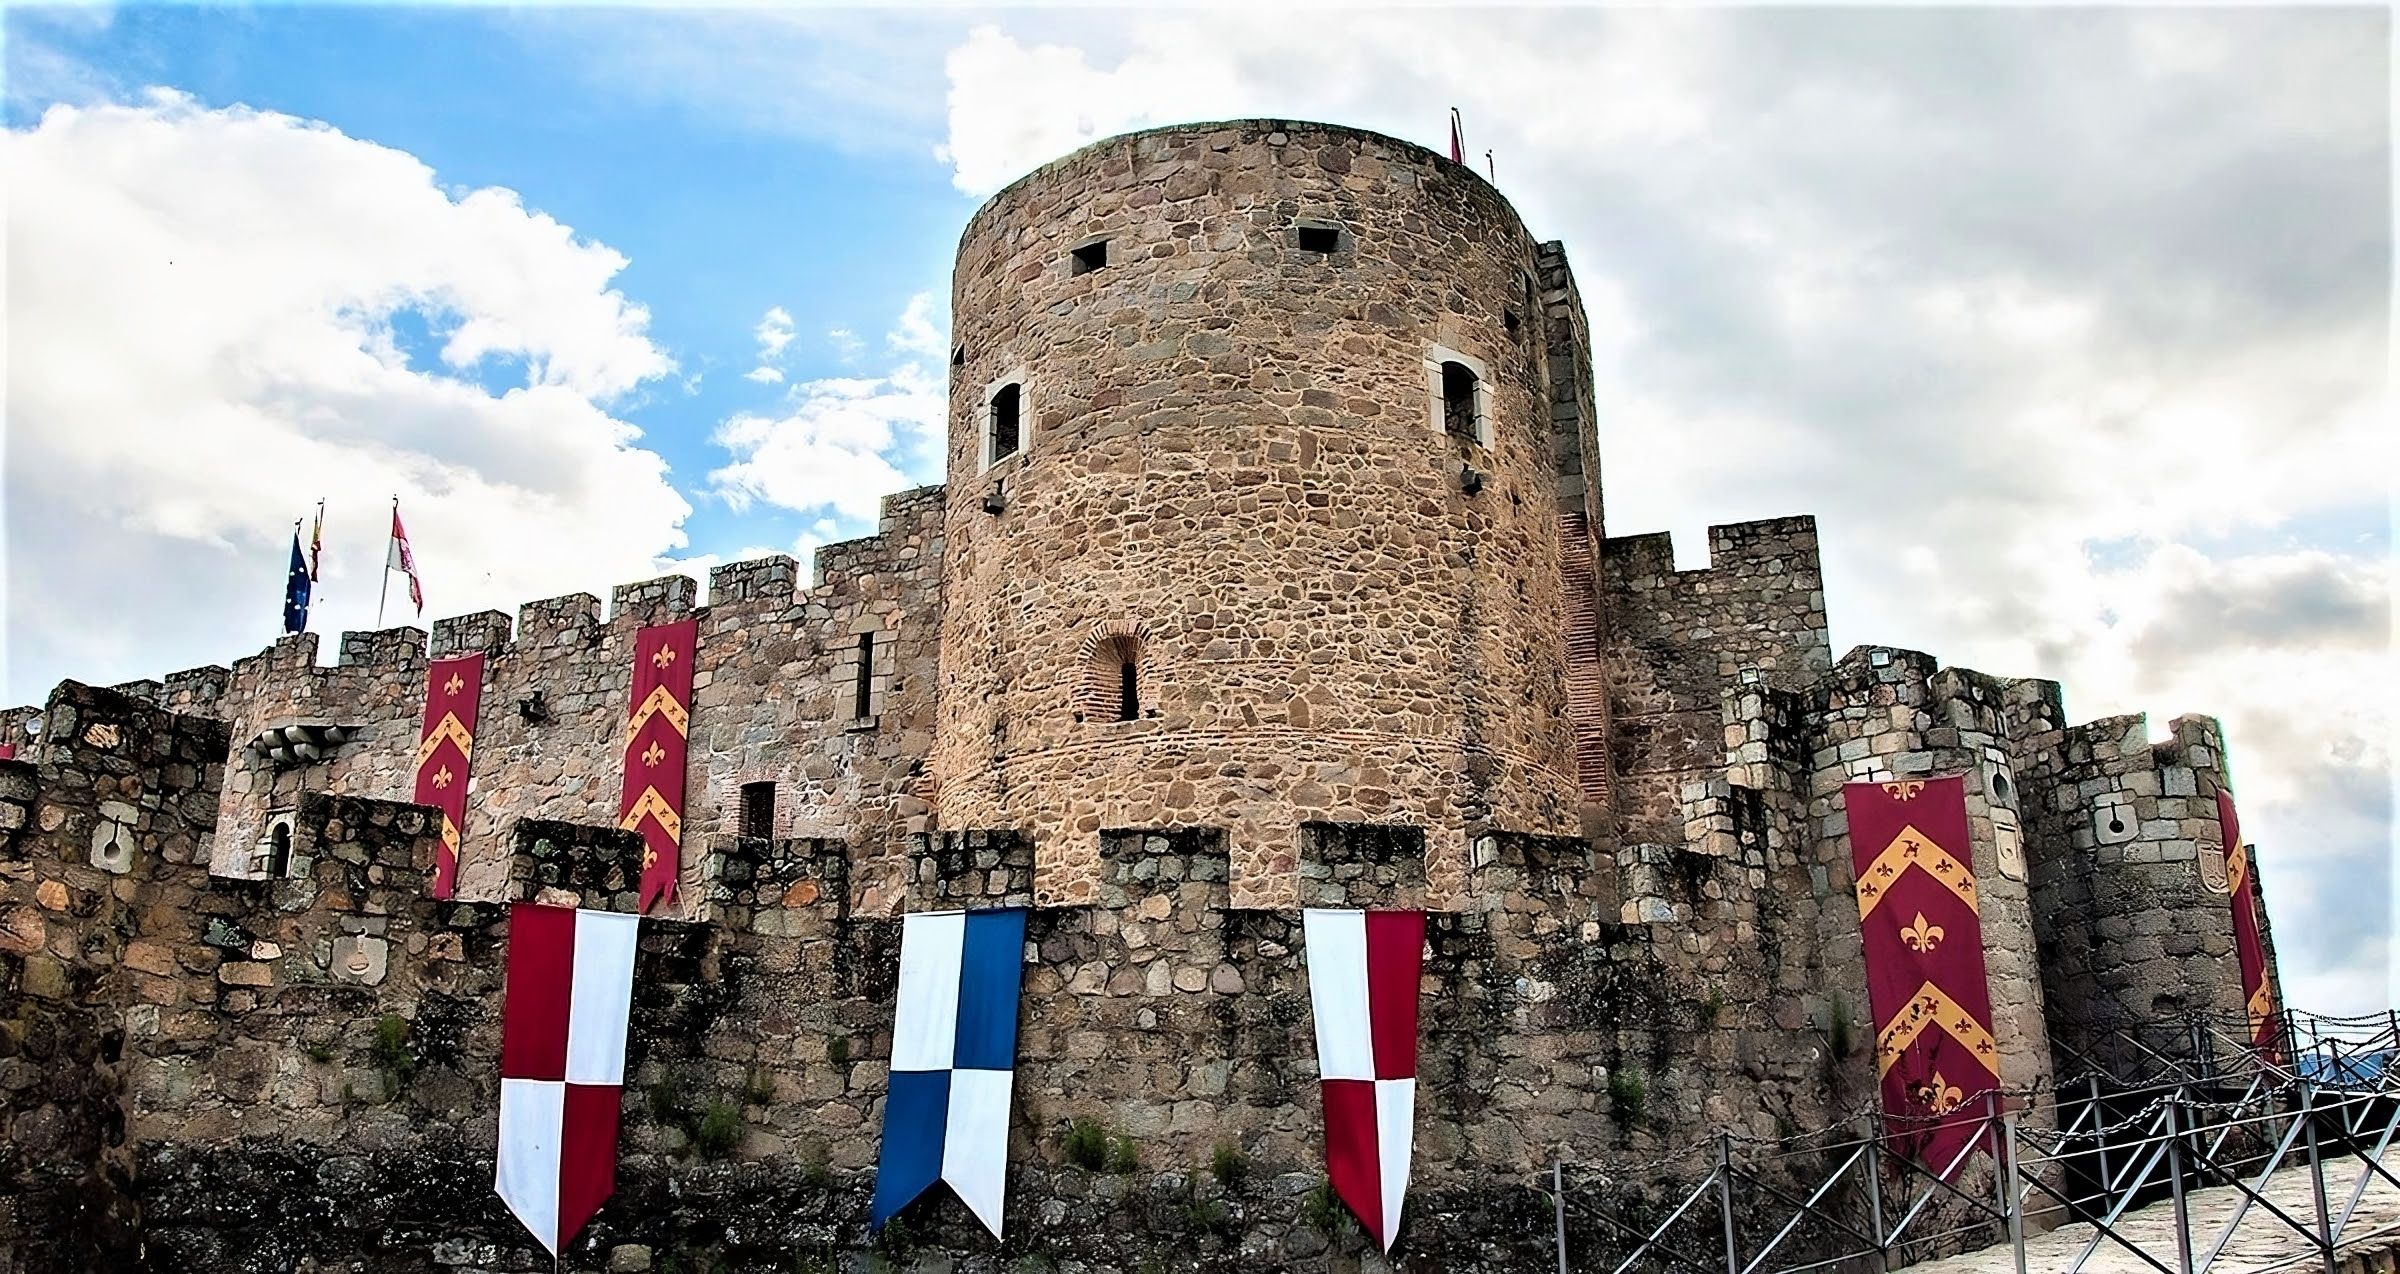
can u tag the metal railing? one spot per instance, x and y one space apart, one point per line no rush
1851 1199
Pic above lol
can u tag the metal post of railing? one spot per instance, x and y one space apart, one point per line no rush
1883 1250
1733 1257
2183 1214
1991 1128
1558 1208
2016 1195
2316 1172
2100 1138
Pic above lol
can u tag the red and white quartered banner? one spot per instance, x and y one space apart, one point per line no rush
453 694
1363 972
1921 928
2249 941
655 743
562 1064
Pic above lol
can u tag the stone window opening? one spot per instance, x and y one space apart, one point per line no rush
1089 257
1458 399
860 673
279 850
1111 688
1129 689
1006 429
1458 390
1320 238
958 356
757 812
862 687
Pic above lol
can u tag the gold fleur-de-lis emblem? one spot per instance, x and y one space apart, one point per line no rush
455 684
665 656
441 777
1905 790
653 754
1921 936
1940 1096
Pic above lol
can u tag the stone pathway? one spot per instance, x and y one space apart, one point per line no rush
2262 1243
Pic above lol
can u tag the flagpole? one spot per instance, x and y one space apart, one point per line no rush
384 589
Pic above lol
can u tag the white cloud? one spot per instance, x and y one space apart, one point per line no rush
846 442
773 333
217 317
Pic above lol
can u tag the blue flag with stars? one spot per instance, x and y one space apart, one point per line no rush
295 590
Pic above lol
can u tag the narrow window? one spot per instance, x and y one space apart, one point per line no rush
279 851
862 702
1458 400
1089 257
1319 238
958 356
758 811
1004 422
1129 697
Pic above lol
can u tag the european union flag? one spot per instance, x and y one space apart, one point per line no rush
295 590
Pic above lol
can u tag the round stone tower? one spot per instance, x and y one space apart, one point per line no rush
1252 511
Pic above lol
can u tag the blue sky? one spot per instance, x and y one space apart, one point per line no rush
2070 326
721 221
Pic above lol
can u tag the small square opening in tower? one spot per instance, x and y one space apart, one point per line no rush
1319 238
1090 257
758 810
1458 400
1004 432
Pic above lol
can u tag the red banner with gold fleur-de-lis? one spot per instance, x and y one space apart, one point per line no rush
453 694
1922 924
654 752
2249 943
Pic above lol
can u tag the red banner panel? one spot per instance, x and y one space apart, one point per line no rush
654 752
453 694
2248 946
1923 930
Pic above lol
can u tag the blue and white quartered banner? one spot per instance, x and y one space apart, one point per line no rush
954 1056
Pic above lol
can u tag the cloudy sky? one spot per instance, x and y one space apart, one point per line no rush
2071 327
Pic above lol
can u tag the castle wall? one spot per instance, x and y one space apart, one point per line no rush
324 1044
1679 640
2130 881
774 699
1235 461
1888 714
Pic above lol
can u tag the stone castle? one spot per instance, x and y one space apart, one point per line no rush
1271 572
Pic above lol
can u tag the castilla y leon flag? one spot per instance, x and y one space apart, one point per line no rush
1921 921
2249 946
1363 970
562 1064
654 752
453 693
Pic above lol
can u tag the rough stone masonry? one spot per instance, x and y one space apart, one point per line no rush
1270 572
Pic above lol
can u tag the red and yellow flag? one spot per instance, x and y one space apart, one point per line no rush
2249 945
654 751
1922 925
453 693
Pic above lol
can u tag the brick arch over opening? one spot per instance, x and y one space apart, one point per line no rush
1106 649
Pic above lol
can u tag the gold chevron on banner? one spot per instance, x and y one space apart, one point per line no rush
448 728
1912 848
2262 1006
654 805
449 833
659 704
1931 1007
